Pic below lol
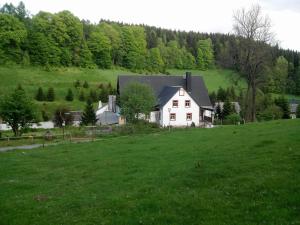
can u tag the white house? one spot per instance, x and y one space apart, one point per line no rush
180 100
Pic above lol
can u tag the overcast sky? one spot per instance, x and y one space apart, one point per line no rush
195 15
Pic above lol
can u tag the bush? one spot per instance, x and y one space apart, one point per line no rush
81 96
77 84
85 84
70 96
272 112
50 95
233 118
40 95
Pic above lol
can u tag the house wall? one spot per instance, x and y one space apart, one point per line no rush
180 111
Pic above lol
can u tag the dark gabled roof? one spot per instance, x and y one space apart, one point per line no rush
159 84
167 93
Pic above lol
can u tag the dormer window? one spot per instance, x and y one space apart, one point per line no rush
181 92
187 103
175 104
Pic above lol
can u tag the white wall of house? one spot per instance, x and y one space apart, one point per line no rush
40 125
181 111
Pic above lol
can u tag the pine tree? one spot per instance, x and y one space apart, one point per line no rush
227 109
40 95
85 84
93 96
81 96
77 84
219 113
50 94
89 115
70 96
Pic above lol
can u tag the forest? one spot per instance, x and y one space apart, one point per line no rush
63 40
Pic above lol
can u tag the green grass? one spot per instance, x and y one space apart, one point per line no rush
31 78
228 175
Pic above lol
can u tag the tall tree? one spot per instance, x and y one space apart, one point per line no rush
280 74
12 35
135 100
18 111
254 31
89 115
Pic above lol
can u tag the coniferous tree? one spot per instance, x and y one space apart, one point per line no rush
89 115
93 96
50 95
81 96
40 95
227 108
85 84
70 96
77 84
221 94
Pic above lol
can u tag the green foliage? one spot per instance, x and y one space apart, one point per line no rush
100 47
280 73
205 55
81 96
50 94
77 84
136 99
12 35
272 112
232 118
221 94
18 111
89 115
298 111
154 60
284 105
70 96
93 96
85 84
227 109
40 95
62 116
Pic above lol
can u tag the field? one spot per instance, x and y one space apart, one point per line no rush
31 78
246 174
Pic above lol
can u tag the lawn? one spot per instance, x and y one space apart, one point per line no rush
246 174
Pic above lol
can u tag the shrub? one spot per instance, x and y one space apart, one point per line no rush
272 112
77 84
50 94
233 118
40 95
85 84
70 96
81 96
62 115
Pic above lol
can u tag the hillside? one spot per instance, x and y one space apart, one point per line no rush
31 78
227 175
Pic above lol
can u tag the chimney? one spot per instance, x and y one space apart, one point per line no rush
112 103
188 81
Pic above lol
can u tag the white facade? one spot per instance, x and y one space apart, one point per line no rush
180 110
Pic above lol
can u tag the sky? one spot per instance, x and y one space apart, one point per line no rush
188 15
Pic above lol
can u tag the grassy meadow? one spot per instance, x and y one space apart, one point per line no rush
31 78
246 174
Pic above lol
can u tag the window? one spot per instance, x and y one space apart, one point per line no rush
173 116
189 116
187 103
175 103
181 92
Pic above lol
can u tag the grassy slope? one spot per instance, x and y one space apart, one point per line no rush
229 175
61 79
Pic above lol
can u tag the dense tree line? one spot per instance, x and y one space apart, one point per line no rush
62 39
